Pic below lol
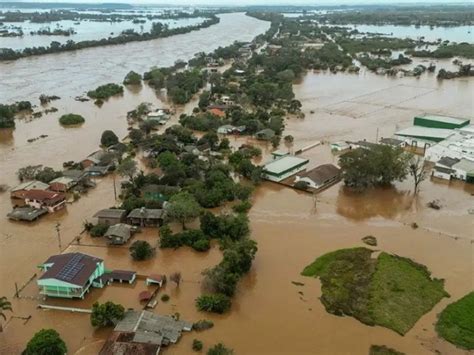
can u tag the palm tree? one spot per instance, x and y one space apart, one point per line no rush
5 305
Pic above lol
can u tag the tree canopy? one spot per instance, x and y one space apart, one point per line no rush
106 314
46 342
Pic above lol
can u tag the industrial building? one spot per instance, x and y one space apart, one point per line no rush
440 122
280 169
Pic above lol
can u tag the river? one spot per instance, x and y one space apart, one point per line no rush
269 314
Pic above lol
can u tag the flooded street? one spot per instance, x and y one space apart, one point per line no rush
269 315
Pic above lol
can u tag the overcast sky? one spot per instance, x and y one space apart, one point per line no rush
253 2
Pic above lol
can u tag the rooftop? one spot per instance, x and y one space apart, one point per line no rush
447 161
465 164
63 180
73 268
110 213
44 196
31 185
281 165
444 119
322 173
425 132
120 230
145 213
26 213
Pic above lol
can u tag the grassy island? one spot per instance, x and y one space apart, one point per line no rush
456 322
71 119
105 91
389 290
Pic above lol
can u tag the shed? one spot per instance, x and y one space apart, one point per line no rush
437 121
156 279
321 176
110 216
145 217
118 234
265 134
280 169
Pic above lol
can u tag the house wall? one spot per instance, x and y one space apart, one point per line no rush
441 175
56 186
278 178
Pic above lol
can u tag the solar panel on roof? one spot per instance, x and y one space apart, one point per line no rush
71 269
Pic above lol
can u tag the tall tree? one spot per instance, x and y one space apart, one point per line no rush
106 314
183 208
128 168
418 171
46 342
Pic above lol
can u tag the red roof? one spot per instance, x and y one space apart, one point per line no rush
217 112
144 296
44 196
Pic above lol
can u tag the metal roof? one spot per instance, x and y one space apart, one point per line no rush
145 213
417 131
110 213
31 185
465 165
444 119
281 165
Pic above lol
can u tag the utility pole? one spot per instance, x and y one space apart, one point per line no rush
58 231
377 136
115 188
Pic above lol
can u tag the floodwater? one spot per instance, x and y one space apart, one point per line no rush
453 34
84 31
269 315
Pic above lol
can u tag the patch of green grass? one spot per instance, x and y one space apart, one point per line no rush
383 350
456 322
401 291
320 265
390 291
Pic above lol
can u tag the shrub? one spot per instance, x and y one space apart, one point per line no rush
203 324
202 245
141 250
242 207
215 303
105 91
108 138
71 119
219 349
301 185
98 230
132 78
106 314
165 298
197 345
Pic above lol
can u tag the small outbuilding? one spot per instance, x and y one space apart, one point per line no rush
145 217
118 234
442 173
321 176
156 279
110 216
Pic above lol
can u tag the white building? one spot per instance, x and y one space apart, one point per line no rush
464 170
280 169
459 145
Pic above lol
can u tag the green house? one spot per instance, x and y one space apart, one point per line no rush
70 275
436 121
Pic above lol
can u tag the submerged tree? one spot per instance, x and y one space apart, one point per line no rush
46 342
418 171
5 305
106 314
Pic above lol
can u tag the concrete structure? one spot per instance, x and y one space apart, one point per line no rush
62 184
277 154
69 275
280 169
459 145
320 177
447 162
52 201
464 170
110 216
442 173
156 279
393 142
143 332
437 121
418 136
339 146
118 234
20 190
145 217
27 214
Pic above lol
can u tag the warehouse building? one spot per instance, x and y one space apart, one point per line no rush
441 122
280 169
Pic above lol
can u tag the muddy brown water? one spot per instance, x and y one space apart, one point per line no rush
292 228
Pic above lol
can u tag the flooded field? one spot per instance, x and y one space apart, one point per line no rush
269 315
83 31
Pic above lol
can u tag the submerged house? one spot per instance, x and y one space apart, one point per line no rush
27 214
280 169
62 184
320 177
20 190
70 275
265 134
118 234
52 201
146 217
110 216
143 333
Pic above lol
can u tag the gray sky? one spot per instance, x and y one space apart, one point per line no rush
253 2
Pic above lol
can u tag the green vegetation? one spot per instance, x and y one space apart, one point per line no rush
390 291
108 138
106 314
377 165
71 119
203 324
374 44
38 172
197 345
141 250
165 298
456 322
5 305
383 350
46 342
103 92
98 230
193 238
216 303
182 86
8 112
465 50
183 208
132 78
219 349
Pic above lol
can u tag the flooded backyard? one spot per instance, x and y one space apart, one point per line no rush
270 314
